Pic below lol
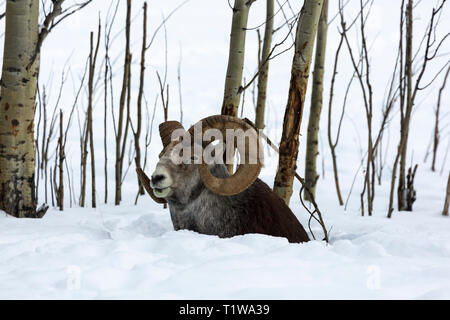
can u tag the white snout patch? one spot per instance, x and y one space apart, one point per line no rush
161 193
161 189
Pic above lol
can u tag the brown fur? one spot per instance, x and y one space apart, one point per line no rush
270 215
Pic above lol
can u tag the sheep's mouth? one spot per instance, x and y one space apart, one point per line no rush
161 192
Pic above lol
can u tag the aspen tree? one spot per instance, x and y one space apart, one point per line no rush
312 141
18 92
233 80
304 42
264 68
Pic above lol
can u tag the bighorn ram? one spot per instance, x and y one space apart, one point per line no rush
206 199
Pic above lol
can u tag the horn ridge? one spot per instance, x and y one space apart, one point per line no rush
165 131
246 173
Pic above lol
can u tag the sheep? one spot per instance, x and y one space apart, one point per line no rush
206 199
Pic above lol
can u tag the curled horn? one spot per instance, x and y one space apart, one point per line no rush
165 131
246 173
145 180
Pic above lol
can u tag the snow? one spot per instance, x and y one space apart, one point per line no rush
132 251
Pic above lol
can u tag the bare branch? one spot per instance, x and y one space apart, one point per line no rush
163 23
49 23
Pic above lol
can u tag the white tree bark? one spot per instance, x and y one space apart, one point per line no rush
233 80
316 104
18 92
264 68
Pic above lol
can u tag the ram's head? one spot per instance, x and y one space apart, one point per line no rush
187 158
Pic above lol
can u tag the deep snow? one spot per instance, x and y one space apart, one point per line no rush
133 252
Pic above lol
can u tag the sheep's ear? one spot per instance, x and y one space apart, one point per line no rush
145 180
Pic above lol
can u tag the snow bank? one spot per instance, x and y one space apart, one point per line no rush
133 252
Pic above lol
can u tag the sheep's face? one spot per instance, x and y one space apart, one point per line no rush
172 179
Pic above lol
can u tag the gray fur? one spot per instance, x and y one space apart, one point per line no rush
193 207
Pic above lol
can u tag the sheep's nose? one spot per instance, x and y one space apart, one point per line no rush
157 178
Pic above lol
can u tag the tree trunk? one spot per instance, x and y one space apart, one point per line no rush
304 43
61 163
18 92
120 151
90 116
332 144
316 104
233 80
409 105
447 198
137 134
88 120
88 135
264 68
436 124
